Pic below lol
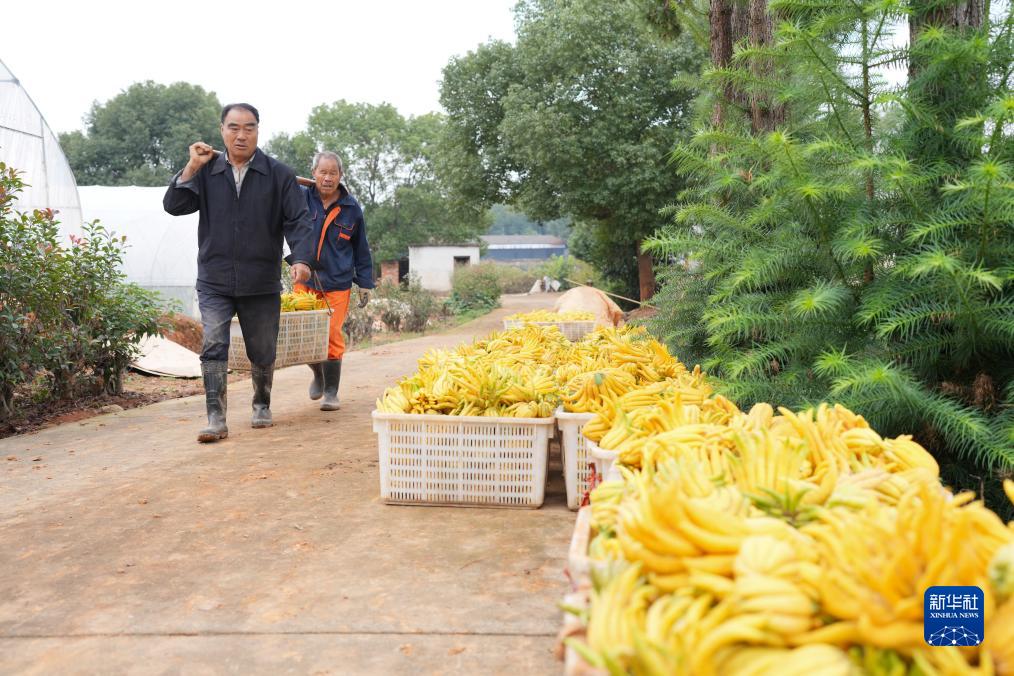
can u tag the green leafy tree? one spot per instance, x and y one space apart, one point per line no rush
419 213
296 150
576 119
370 139
508 221
855 252
141 136
391 166
473 91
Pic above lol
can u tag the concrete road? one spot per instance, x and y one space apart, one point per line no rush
126 547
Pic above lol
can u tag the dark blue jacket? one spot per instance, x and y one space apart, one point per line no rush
239 238
344 254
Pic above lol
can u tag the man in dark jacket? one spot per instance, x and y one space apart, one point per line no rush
342 257
247 202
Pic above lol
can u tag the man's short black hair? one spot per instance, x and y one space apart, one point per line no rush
244 106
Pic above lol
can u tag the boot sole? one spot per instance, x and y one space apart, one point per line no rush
212 436
330 407
260 426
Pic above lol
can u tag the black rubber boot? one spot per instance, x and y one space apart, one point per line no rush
317 386
262 378
215 389
332 377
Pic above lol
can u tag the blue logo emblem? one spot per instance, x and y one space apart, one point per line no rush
953 616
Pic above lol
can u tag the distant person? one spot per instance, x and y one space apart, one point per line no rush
342 258
247 202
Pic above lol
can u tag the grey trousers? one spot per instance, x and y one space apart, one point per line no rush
258 317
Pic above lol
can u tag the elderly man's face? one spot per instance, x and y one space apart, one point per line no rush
327 175
239 133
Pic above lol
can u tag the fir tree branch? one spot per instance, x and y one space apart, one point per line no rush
984 229
821 227
831 71
837 116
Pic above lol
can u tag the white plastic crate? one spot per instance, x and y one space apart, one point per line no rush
572 331
302 339
576 466
578 598
605 463
470 461
578 565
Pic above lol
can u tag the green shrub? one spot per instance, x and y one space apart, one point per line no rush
410 307
475 287
358 324
422 303
562 268
514 279
388 305
67 319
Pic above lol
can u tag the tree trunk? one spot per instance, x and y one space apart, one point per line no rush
961 15
764 114
645 274
739 22
720 42
732 21
115 383
967 18
6 402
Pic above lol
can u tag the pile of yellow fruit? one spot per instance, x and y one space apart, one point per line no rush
527 371
508 374
547 316
612 362
761 542
781 542
302 300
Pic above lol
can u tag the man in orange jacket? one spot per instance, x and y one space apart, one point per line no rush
342 258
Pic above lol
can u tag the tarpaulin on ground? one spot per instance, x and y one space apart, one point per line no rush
161 357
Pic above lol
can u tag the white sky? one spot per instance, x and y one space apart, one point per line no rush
283 57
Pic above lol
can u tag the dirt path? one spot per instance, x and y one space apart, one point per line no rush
128 548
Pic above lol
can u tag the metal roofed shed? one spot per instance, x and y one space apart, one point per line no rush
510 248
